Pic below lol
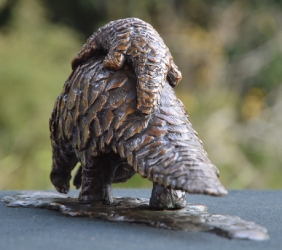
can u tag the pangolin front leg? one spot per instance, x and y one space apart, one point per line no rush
138 43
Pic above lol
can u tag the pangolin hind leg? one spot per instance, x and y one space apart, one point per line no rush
97 179
167 198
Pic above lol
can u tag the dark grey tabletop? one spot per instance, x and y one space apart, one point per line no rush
31 228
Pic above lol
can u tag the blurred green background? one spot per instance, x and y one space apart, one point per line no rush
229 52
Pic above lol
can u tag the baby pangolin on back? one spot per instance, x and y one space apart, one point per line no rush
138 43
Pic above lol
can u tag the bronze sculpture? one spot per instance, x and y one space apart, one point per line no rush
118 114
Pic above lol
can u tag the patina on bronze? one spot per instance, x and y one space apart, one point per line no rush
126 119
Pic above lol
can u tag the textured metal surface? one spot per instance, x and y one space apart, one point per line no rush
96 121
138 43
191 218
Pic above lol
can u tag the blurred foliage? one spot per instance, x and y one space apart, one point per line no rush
228 51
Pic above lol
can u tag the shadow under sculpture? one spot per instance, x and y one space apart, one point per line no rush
96 121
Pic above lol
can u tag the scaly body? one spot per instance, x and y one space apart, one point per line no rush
95 121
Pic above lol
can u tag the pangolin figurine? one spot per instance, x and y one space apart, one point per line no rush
96 121
137 42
